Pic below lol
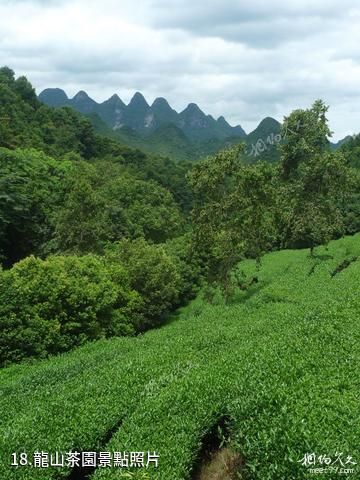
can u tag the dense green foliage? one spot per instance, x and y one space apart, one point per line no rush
152 273
232 214
70 205
50 306
107 202
26 122
351 149
282 362
100 197
104 205
77 193
315 181
188 263
31 186
56 201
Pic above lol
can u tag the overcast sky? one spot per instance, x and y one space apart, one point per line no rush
241 59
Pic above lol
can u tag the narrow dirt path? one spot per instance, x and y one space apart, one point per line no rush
223 464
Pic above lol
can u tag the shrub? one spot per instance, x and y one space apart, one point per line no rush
50 306
152 274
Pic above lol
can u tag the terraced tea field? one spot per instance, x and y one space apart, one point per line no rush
281 364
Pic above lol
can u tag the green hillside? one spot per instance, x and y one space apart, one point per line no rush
167 140
170 141
281 364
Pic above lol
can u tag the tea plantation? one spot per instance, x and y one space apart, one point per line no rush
281 362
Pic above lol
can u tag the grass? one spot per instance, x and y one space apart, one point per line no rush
281 362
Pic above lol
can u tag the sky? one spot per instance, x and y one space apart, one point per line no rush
242 59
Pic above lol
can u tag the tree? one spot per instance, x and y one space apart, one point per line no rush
138 208
26 91
31 188
82 224
351 150
232 213
306 133
351 209
152 274
25 122
313 180
188 265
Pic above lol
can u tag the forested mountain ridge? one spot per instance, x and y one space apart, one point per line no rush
158 128
188 135
144 118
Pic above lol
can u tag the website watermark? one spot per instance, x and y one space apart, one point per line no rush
337 464
273 139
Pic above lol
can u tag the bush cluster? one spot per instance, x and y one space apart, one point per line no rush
53 305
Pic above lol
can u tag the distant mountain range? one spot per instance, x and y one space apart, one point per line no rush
143 118
159 129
